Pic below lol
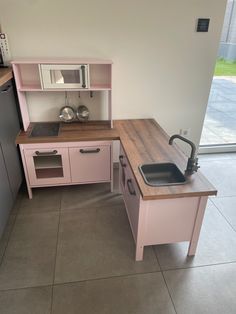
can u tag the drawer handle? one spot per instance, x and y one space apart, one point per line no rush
130 187
89 151
121 157
54 152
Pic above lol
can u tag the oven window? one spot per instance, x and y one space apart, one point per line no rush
65 76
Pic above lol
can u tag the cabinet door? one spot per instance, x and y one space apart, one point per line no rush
6 199
9 128
47 166
122 169
130 192
90 164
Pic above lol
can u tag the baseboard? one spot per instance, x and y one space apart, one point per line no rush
217 149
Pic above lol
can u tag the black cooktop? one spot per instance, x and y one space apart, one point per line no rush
45 129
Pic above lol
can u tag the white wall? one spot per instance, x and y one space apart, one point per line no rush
162 67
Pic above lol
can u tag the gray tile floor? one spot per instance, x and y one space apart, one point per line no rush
220 120
70 250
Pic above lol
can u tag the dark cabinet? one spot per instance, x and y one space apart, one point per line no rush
10 167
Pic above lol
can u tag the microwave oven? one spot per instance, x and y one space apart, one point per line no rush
64 76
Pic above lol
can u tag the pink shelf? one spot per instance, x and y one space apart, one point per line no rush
32 88
27 73
61 61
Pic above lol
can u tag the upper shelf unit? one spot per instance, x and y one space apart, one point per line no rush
45 75
56 75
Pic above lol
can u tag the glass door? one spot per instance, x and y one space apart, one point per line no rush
47 166
219 129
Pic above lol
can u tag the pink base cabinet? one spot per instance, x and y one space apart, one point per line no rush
67 163
159 221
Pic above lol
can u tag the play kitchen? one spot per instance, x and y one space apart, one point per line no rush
165 197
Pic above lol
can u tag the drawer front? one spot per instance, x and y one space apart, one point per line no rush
90 163
47 166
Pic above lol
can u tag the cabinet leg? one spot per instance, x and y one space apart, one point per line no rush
192 248
111 186
139 253
30 192
197 226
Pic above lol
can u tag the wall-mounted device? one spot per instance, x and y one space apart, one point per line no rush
5 55
64 76
203 25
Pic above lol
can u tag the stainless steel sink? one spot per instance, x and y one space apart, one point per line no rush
161 174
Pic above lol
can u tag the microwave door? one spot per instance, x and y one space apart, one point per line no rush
64 76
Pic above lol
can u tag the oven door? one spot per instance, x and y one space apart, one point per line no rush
62 76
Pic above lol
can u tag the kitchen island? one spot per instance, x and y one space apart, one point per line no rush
157 215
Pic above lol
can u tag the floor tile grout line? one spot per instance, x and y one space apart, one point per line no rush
224 217
199 266
106 278
13 225
168 290
55 261
156 258
142 273
226 196
164 280
81 281
115 276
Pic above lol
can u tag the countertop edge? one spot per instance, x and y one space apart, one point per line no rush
5 75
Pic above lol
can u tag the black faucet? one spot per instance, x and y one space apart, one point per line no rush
192 165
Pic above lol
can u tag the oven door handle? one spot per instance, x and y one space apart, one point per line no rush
54 152
89 151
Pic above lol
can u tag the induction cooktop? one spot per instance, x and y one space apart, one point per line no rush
41 129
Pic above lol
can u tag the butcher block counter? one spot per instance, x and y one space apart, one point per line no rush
5 75
144 141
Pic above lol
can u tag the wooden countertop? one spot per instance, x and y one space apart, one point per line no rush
73 132
5 75
144 141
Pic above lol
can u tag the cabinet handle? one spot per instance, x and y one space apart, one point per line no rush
121 157
89 151
54 152
7 89
83 76
130 187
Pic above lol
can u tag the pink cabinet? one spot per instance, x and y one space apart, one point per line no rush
67 163
159 221
47 166
90 163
